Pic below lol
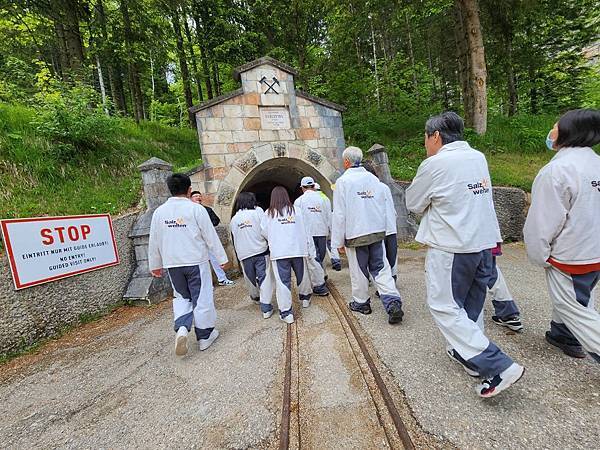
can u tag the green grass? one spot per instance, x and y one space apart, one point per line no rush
44 173
515 147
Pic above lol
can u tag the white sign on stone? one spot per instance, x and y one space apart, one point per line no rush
44 249
274 118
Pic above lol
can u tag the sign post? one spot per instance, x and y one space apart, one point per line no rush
45 249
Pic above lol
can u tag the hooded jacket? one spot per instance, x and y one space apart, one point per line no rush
453 191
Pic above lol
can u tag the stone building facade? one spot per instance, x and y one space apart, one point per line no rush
263 134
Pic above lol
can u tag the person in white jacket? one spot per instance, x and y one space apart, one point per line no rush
253 251
317 218
334 255
359 225
562 231
289 249
452 190
181 238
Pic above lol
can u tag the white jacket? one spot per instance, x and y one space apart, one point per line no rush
390 215
181 234
287 236
359 206
453 191
247 236
316 212
564 218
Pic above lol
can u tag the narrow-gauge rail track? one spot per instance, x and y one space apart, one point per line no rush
365 370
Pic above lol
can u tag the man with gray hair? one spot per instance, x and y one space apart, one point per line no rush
452 190
359 225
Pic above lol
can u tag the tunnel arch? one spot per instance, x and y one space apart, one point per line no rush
266 165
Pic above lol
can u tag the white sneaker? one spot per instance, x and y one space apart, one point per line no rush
306 303
181 347
267 314
288 319
226 283
205 343
493 386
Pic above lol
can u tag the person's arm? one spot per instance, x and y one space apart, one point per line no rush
213 216
210 236
546 217
338 218
327 214
418 194
155 262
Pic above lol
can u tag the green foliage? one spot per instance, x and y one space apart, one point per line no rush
70 167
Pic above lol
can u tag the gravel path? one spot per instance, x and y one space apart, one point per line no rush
556 404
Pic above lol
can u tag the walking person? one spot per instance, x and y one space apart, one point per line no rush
317 219
253 251
289 243
506 311
562 231
358 227
452 190
222 279
181 237
334 255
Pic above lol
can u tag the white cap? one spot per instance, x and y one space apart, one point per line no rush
317 186
307 181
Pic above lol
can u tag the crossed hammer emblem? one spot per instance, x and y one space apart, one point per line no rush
270 86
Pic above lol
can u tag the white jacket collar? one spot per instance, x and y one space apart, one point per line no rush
456 145
569 150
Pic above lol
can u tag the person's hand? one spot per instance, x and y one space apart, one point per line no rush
157 273
342 250
226 266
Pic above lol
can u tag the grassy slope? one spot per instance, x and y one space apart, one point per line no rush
515 147
34 181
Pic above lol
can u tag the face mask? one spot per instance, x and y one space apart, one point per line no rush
550 142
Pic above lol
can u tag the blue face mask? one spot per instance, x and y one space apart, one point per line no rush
550 142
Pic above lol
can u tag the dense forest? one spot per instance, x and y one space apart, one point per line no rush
152 59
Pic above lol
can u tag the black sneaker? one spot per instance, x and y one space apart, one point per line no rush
336 265
395 314
574 351
363 308
513 323
493 386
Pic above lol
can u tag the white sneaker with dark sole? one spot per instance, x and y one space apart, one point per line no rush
305 303
226 283
267 314
470 372
288 319
493 386
512 323
203 344
181 338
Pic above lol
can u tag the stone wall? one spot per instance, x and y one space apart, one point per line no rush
28 315
511 209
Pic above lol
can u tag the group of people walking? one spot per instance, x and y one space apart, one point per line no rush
452 191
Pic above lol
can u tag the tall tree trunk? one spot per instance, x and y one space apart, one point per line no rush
215 73
185 75
477 69
101 83
434 93
462 58
134 78
512 82
533 93
63 57
203 57
411 55
193 59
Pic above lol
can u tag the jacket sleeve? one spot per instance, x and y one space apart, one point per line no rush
210 236
390 212
154 257
338 221
213 216
546 217
418 194
327 213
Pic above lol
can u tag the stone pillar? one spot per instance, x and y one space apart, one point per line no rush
407 229
143 287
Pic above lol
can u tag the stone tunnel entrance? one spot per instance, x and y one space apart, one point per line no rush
286 172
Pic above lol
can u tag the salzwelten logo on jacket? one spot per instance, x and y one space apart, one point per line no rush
314 209
177 223
481 187
365 194
596 184
245 224
286 220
